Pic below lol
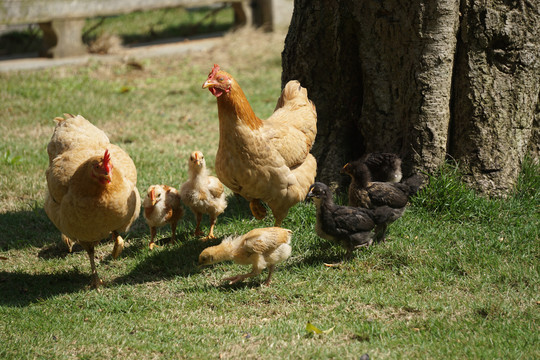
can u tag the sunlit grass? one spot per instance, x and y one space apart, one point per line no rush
457 277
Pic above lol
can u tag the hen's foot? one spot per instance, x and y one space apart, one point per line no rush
152 245
338 264
68 242
234 279
118 246
96 282
257 209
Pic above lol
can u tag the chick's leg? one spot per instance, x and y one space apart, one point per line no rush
173 231
118 244
270 271
213 219
257 209
153 232
234 279
198 217
380 232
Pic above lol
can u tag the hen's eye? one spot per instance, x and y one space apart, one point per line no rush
220 78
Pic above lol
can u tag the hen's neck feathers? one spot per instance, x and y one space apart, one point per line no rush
87 185
234 106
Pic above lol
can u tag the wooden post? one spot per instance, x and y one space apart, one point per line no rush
62 38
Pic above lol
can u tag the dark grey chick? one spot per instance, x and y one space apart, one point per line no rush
348 226
372 195
383 166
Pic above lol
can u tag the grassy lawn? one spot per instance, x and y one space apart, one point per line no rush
458 276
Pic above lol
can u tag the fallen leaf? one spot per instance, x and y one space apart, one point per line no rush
312 329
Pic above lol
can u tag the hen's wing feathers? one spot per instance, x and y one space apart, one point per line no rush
293 126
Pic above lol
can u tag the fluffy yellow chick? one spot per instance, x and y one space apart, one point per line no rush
202 193
262 248
162 206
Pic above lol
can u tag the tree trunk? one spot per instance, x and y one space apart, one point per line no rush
496 91
407 77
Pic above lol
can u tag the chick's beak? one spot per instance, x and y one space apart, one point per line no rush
345 169
153 197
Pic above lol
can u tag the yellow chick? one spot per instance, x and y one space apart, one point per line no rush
162 206
262 248
202 193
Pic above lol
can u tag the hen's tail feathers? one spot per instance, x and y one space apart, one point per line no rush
294 96
73 131
305 176
292 91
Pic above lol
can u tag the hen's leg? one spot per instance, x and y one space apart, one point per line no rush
198 217
68 242
257 209
118 244
96 281
279 217
153 232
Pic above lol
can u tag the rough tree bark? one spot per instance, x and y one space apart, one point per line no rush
425 79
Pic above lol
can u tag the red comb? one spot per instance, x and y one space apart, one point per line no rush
107 165
214 71
106 157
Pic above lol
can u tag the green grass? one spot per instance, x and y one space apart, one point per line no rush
457 277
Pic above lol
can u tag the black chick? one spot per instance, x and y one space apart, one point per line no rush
346 225
383 166
371 195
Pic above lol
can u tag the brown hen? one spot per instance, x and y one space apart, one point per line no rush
265 160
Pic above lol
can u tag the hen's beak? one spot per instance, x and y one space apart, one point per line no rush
208 84
107 177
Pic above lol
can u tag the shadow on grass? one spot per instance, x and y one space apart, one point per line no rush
238 208
27 229
23 289
22 229
169 262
